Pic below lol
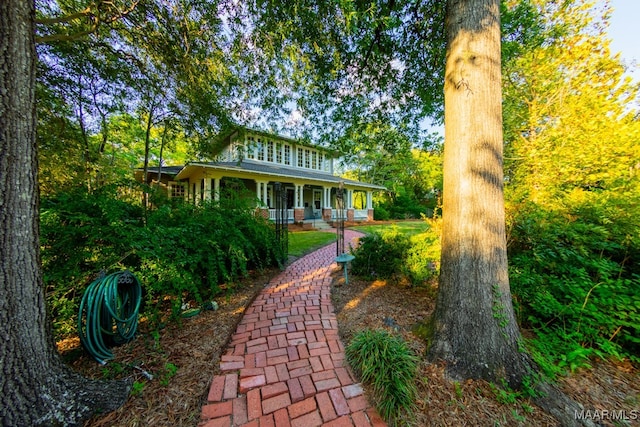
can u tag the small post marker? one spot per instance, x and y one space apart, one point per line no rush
344 259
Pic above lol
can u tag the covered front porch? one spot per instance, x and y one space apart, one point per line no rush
302 201
305 196
305 202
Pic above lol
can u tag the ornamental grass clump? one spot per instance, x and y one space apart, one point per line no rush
385 362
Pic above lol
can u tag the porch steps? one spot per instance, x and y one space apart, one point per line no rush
318 224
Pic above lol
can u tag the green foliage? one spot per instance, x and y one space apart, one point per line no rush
381 255
399 252
571 159
183 252
575 280
520 398
384 361
423 257
169 372
404 206
381 213
112 370
137 388
506 395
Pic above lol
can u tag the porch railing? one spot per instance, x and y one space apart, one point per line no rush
272 214
360 214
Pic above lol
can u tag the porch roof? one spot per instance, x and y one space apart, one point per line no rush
278 172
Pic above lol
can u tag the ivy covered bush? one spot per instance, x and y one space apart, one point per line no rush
180 252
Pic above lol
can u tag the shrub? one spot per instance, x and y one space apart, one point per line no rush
184 251
386 363
81 234
573 284
423 257
381 255
393 254
380 213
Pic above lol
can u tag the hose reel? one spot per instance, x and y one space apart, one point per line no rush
108 313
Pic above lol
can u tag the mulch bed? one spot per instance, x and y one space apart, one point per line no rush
194 348
402 309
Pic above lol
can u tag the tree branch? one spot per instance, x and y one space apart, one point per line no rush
95 17
376 38
64 18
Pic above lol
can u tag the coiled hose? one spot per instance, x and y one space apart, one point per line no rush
108 313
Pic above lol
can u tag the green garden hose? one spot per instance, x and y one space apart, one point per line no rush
109 313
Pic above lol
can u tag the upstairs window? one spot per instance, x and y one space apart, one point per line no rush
278 152
260 149
300 157
287 154
251 146
307 158
270 151
238 152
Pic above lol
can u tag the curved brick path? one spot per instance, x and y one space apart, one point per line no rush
284 366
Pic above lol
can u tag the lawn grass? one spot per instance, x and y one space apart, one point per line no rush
409 228
303 242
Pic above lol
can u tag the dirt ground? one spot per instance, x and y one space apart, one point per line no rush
183 359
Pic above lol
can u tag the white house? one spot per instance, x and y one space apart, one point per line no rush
259 160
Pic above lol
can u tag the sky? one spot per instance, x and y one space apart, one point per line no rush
624 31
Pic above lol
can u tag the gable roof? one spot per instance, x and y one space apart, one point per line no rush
223 139
152 172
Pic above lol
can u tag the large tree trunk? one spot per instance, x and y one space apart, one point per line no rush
474 329
36 387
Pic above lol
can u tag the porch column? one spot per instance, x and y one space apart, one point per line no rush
327 197
197 192
349 199
261 192
298 210
216 189
268 195
299 196
326 203
207 189
369 199
265 193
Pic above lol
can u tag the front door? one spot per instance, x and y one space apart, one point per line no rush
317 203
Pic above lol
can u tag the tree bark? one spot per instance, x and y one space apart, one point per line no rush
36 387
474 327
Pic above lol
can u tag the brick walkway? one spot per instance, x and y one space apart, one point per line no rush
285 363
